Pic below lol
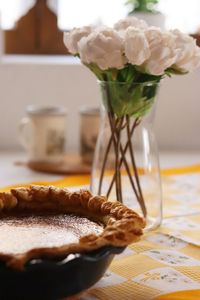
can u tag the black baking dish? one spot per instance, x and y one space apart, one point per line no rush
55 279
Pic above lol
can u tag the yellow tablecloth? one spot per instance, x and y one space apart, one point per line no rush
164 261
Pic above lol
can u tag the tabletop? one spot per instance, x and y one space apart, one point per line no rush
165 264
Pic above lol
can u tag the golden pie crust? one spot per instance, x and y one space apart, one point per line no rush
122 226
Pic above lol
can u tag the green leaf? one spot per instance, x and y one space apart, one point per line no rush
128 98
171 71
142 5
127 91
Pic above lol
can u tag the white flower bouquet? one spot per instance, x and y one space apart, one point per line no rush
130 60
132 42
131 52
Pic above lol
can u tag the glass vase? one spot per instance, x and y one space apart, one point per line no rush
126 162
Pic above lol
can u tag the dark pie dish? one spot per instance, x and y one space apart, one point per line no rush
55 243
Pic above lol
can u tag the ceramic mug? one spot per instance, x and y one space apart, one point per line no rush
42 133
89 129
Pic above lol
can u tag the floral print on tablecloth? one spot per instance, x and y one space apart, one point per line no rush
167 279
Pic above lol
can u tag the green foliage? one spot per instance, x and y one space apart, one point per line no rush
134 96
142 6
127 91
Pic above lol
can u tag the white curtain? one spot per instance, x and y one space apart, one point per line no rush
182 14
12 10
75 13
53 5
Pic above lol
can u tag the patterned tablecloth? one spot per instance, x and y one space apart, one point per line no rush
164 261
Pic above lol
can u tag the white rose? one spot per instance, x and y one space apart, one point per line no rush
72 38
188 53
162 48
130 21
103 47
136 46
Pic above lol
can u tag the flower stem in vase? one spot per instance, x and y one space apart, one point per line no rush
117 165
116 143
104 162
115 137
131 150
138 190
123 160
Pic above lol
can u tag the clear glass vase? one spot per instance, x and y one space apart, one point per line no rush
126 162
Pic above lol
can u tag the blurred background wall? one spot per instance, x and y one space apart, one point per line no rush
63 80
33 69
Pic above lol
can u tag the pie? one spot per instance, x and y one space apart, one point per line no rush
49 222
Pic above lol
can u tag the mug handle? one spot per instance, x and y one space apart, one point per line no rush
25 132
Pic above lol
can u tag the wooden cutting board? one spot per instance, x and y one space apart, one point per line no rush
72 164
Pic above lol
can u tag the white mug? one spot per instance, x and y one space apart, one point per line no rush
42 133
89 129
